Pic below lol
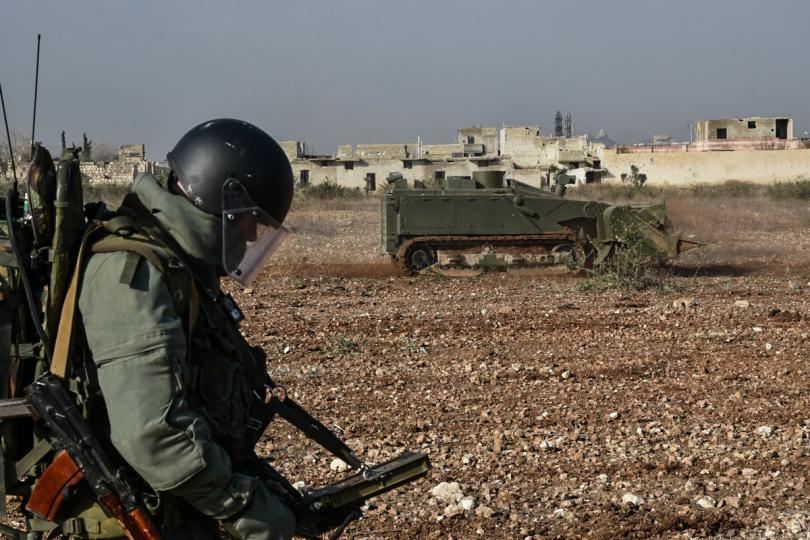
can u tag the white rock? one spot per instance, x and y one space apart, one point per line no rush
768 346
630 498
453 510
286 349
706 502
603 478
613 416
484 511
796 525
749 472
338 465
548 445
467 503
300 486
765 431
757 329
447 492
742 304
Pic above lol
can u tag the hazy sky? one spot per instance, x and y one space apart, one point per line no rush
365 71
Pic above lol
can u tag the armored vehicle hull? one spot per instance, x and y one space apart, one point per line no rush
512 226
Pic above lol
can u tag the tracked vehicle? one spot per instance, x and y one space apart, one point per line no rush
484 223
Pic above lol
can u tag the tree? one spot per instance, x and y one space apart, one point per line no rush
558 124
87 148
63 141
569 125
20 144
638 179
104 151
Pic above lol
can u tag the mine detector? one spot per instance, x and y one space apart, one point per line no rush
482 223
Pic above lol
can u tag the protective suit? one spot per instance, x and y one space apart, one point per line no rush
179 406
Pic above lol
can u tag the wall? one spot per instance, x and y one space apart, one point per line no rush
487 136
115 172
421 170
760 166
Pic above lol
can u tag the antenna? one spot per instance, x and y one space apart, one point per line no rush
8 137
36 88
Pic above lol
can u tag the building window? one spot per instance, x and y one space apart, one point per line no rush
408 164
371 181
303 178
438 175
752 124
470 139
721 133
348 165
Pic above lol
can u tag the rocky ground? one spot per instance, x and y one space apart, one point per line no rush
550 410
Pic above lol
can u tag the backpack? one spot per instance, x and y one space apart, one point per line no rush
45 239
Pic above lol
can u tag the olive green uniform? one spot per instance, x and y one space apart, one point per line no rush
176 410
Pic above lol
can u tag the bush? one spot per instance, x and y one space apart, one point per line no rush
729 189
346 346
628 269
798 189
330 190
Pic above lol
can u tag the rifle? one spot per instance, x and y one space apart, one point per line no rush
80 457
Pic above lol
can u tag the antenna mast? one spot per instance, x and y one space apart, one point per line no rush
36 88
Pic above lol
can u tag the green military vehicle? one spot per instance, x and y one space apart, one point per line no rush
484 223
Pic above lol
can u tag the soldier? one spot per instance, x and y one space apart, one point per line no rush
179 384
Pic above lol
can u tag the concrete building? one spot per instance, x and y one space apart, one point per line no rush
522 152
132 152
754 127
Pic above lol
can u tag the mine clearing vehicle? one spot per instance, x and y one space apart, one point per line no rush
483 223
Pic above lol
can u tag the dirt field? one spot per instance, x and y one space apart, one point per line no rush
562 413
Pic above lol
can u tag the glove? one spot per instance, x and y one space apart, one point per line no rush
264 518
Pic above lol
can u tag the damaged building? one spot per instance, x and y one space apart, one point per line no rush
522 152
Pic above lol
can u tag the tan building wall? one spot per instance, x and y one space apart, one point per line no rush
752 127
684 168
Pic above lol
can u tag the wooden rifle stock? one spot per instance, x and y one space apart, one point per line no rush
53 486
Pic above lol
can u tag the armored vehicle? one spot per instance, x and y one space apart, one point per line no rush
483 222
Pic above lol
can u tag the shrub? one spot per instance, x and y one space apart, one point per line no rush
345 346
629 269
798 189
330 190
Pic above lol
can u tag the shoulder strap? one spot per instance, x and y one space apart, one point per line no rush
179 278
64 334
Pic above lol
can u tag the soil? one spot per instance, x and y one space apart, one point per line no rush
563 412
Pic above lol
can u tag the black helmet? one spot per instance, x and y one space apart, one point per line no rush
210 154
233 169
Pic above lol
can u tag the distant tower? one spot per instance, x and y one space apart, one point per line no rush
558 124
569 125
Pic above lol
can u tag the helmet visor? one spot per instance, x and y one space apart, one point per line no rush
249 234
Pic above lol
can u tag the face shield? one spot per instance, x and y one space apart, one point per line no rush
249 234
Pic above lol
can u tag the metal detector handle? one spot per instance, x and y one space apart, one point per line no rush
293 413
